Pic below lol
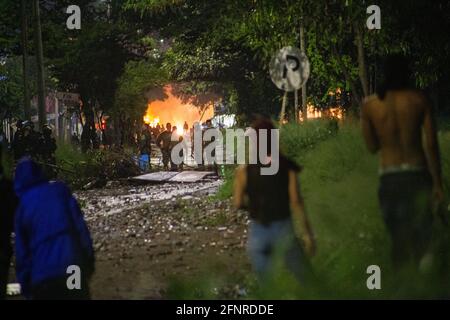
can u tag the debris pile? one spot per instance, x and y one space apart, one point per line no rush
171 225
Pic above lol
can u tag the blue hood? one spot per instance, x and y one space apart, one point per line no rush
28 174
51 233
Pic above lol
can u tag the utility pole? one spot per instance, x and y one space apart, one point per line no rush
26 93
40 64
303 49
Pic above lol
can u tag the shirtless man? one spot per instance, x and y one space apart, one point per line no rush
394 123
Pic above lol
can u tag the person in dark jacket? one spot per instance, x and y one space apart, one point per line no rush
163 141
8 203
46 152
51 238
17 142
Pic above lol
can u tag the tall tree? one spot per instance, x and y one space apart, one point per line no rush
26 93
40 64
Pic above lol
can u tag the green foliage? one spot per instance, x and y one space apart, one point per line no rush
94 62
9 23
154 6
78 169
90 60
233 41
204 63
444 138
137 79
11 85
226 189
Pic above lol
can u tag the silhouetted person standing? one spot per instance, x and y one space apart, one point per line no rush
410 173
210 159
47 148
163 141
17 143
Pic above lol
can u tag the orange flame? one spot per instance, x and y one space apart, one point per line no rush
312 112
173 110
337 113
151 119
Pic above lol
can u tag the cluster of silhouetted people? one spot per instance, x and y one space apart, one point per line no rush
168 137
40 146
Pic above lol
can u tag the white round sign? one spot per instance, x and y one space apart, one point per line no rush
289 69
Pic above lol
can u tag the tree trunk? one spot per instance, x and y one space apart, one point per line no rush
355 94
26 93
304 93
361 61
40 64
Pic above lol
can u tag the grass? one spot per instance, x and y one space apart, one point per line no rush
339 183
226 189
344 214
219 219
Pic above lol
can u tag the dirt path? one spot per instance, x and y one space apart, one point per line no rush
147 237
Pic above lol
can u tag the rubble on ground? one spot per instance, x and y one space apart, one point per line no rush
169 222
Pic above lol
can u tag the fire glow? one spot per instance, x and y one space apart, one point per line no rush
172 110
312 112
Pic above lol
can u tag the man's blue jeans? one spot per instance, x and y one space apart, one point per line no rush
273 243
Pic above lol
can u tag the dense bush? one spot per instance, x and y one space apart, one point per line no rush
94 167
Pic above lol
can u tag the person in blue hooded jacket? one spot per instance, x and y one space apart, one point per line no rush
51 238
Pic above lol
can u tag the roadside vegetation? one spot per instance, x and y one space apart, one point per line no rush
95 168
339 183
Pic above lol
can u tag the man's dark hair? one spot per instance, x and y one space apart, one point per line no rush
262 122
396 73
